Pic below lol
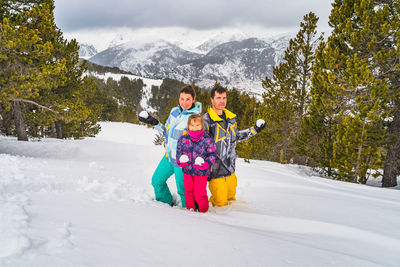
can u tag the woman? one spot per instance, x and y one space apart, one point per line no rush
174 128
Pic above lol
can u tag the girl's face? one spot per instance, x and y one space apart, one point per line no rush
195 125
186 100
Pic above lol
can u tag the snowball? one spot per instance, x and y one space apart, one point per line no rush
184 158
144 114
260 122
199 161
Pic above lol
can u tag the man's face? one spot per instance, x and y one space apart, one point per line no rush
219 101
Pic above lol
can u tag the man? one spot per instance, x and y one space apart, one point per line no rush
221 125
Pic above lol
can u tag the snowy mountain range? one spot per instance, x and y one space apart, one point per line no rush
155 59
87 51
239 62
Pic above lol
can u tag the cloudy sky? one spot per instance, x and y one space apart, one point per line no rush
76 16
73 15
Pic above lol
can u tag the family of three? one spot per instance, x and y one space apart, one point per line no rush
199 149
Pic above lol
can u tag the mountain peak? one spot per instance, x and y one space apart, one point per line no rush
86 51
220 38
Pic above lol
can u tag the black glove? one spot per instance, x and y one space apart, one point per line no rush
145 117
260 125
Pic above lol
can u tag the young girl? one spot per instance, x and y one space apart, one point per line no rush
196 154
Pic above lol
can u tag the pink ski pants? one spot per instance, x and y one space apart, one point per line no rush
196 191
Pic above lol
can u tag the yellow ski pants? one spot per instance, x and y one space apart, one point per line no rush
222 189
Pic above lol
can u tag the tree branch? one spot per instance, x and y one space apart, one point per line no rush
34 103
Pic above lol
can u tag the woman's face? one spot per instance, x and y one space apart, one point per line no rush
186 100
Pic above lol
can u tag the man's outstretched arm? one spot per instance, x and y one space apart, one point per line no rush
250 132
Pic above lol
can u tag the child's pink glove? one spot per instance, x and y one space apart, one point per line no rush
200 164
182 165
183 161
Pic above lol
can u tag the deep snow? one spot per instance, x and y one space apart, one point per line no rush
89 203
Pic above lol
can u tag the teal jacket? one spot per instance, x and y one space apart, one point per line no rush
175 127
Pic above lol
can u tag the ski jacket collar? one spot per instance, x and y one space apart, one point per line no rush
196 107
178 111
193 105
214 116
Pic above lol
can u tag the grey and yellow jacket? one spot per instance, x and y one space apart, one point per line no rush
225 135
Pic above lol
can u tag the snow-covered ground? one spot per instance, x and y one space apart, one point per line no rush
90 203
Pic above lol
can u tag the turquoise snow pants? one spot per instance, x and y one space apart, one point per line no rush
163 171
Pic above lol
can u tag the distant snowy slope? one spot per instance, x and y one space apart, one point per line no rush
147 82
90 202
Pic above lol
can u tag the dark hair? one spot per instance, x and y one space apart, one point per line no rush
219 89
188 89
195 117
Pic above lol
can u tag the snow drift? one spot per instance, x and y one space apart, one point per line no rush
90 203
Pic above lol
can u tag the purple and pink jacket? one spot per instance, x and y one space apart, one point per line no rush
204 148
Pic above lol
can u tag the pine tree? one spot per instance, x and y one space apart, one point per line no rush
165 97
25 64
63 97
85 125
355 92
368 33
287 94
109 104
246 108
11 9
68 96
317 128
